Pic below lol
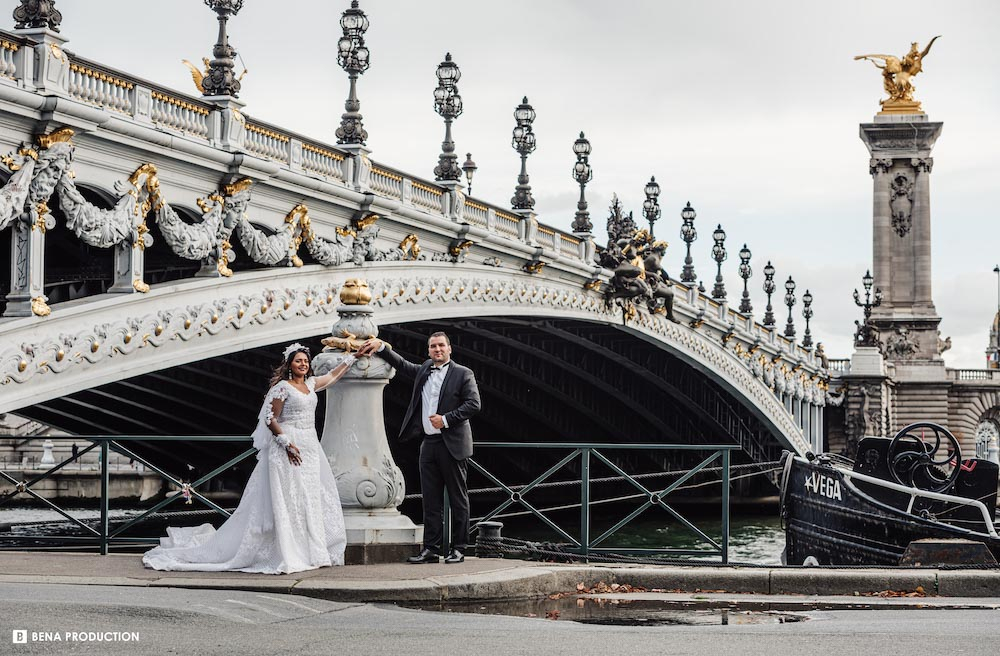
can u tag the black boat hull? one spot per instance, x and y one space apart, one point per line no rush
829 518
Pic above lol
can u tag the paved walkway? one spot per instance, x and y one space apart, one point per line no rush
492 580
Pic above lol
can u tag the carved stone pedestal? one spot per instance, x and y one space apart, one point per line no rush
867 361
354 439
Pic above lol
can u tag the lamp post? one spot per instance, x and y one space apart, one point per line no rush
352 55
583 174
651 206
689 235
219 79
769 289
470 169
719 255
790 302
996 270
807 312
33 14
745 272
448 105
866 333
524 143
996 353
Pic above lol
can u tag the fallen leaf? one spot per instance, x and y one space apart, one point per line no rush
552 615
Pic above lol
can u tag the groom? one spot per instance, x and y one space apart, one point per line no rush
445 396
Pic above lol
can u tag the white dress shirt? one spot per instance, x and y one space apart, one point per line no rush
430 395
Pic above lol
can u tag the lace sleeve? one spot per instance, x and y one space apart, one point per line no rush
280 392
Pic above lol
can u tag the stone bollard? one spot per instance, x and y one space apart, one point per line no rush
489 541
354 439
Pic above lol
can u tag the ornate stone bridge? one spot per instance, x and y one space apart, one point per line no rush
150 230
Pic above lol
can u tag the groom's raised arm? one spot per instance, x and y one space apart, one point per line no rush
375 347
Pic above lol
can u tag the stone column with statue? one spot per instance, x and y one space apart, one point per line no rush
354 439
899 342
899 141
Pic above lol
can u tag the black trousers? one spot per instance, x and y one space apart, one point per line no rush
440 471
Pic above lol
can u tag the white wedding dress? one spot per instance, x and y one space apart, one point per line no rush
289 518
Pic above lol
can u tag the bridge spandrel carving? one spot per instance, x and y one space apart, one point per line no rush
212 317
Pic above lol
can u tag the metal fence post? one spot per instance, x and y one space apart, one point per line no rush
585 501
725 507
104 497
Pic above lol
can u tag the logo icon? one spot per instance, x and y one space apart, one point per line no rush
20 637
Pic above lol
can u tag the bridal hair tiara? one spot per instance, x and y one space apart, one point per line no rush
292 348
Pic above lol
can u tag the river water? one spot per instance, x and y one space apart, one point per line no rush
753 538
756 539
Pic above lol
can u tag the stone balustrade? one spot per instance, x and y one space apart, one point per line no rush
8 64
94 86
267 143
507 224
839 365
387 183
145 102
319 159
974 374
476 213
427 196
174 113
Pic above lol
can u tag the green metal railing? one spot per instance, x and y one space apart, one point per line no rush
103 536
587 453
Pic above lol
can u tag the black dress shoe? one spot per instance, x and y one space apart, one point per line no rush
454 557
425 556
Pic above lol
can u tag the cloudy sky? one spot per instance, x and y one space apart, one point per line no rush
749 110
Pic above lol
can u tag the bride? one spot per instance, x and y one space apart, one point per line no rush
289 518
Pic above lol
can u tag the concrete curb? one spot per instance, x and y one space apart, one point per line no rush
529 581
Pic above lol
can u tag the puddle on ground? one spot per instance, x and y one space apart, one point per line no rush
617 612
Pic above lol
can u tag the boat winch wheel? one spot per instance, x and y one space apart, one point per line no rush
926 456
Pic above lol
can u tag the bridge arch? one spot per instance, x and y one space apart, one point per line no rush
100 340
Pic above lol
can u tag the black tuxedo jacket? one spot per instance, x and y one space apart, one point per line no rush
458 402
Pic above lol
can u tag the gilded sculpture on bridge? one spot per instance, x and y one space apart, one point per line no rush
198 76
897 74
635 259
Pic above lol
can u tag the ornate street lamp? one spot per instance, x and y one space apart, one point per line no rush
719 255
769 289
37 13
352 55
745 273
448 105
866 333
651 206
688 234
790 302
524 143
470 169
583 174
807 312
219 80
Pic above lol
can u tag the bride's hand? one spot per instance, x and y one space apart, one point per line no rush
294 456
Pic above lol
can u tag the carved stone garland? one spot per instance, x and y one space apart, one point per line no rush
38 173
